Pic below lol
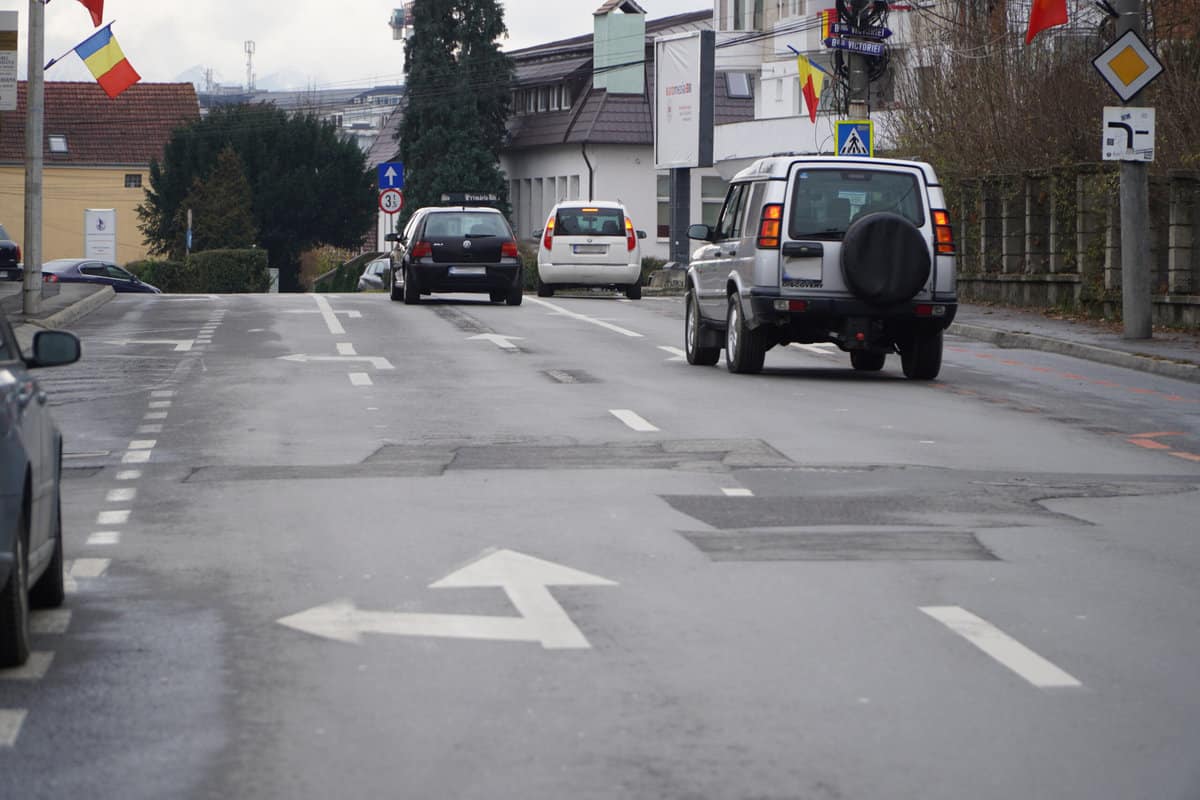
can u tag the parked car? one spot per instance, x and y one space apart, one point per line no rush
10 257
858 252
85 270
589 244
31 542
375 274
457 248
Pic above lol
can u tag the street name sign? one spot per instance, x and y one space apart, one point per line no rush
856 46
843 29
391 175
1127 65
1128 134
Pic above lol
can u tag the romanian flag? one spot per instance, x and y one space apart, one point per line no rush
96 7
108 64
812 78
827 18
1045 14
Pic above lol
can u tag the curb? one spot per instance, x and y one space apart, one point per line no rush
75 310
1116 358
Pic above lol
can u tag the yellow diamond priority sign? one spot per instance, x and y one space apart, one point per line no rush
1127 65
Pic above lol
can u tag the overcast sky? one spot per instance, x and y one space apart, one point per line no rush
338 44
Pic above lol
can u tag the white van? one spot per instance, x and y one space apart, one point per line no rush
589 243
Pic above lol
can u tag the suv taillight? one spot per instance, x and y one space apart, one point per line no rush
548 236
630 235
421 250
943 233
769 226
509 249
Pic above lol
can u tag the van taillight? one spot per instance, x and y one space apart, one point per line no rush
943 233
548 236
769 226
421 250
630 235
509 249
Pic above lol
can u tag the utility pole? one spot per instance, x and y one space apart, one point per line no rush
860 86
35 102
1136 303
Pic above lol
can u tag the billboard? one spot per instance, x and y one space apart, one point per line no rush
683 100
100 234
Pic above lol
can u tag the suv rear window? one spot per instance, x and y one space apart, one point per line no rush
826 201
589 221
465 224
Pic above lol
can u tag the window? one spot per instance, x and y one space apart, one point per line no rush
664 207
133 181
730 225
712 195
737 84
58 144
589 221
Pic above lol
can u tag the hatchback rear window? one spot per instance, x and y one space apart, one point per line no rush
589 221
826 201
466 224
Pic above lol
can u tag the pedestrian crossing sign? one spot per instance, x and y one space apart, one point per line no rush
855 137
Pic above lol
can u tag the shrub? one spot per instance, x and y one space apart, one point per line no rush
174 277
232 271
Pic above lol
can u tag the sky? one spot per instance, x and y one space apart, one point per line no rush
299 44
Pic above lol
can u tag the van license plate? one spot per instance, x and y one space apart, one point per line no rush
468 270
589 249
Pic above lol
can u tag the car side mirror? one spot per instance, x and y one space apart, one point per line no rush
701 232
54 348
393 237
641 234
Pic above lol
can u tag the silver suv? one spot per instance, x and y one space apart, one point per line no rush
858 252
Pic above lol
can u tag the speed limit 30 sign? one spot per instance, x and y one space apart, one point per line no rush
391 201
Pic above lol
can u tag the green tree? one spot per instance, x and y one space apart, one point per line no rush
309 186
222 206
457 103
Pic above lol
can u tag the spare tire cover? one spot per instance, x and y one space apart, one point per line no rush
884 259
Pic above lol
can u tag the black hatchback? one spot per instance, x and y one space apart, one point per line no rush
456 249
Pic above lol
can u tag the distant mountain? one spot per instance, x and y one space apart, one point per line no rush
286 80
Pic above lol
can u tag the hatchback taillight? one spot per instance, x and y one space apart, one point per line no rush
509 249
630 235
943 233
548 236
769 226
49 277
421 250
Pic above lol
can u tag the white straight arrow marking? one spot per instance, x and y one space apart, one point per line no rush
378 362
500 341
524 579
180 345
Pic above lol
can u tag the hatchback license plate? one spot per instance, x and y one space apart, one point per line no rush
468 270
3 274
589 249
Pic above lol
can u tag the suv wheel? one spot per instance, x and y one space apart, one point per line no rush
412 293
867 360
744 350
921 357
693 329
14 604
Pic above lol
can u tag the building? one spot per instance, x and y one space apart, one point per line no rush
582 124
97 154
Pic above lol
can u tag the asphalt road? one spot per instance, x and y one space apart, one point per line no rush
338 546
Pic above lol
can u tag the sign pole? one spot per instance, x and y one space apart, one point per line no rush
35 101
1136 303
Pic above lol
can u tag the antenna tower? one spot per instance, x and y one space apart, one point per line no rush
249 66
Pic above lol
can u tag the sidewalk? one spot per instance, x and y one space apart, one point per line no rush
1171 354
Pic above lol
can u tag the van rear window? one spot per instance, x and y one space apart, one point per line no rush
589 221
826 201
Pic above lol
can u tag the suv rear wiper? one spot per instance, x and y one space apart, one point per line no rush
827 233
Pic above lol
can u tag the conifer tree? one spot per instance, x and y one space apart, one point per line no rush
222 206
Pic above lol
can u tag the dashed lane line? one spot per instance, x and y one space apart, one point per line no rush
360 379
331 320
104 538
33 669
51 621
633 420
1002 647
735 491
11 720
113 517
89 567
120 495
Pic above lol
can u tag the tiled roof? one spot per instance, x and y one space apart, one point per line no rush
653 27
130 130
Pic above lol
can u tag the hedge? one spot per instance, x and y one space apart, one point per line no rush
208 272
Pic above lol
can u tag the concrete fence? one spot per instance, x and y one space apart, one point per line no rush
1054 239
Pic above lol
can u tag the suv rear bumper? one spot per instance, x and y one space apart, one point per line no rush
829 310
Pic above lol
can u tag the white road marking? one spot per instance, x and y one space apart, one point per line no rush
360 379
150 429
823 349
583 318
500 341
113 517
350 314
378 362
34 669
142 444
346 349
180 345
678 354
737 492
136 457
129 474
632 420
1002 647
156 415
11 720
50 621
331 320
89 567
104 538
160 404
163 393
120 495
